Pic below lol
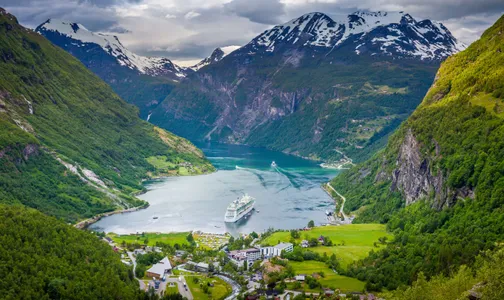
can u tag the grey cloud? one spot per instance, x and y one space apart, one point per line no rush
260 11
34 12
236 22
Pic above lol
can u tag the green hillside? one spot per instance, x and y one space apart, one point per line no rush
447 162
43 258
69 145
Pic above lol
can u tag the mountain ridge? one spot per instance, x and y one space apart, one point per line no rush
57 116
347 102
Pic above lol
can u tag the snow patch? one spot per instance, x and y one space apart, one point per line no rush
110 43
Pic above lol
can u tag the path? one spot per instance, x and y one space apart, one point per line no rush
133 259
184 291
342 198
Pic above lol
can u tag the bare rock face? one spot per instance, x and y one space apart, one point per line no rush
30 150
415 179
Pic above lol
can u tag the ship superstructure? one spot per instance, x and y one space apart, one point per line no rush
239 208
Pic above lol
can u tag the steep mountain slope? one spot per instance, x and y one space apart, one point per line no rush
43 258
69 146
143 81
313 86
440 181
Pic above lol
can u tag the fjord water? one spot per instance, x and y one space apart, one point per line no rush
287 196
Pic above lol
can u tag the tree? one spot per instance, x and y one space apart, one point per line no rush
146 241
294 234
254 235
245 265
311 224
211 268
190 238
313 242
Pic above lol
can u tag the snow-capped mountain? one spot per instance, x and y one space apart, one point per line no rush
74 35
217 55
374 33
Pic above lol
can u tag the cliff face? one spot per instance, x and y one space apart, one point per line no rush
416 177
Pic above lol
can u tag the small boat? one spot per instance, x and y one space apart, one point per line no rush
154 218
257 210
273 164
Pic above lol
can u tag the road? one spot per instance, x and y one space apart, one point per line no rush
182 290
342 198
133 260
234 285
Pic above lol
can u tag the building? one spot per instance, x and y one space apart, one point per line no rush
305 244
159 269
199 267
139 251
300 277
239 256
276 250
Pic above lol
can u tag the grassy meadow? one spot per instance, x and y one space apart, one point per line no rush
220 290
330 279
350 242
171 238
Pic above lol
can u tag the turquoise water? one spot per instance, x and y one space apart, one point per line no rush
287 196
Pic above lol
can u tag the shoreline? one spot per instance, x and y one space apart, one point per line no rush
84 224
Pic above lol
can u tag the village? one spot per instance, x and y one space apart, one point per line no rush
272 265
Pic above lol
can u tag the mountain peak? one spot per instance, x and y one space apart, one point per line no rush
70 34
373 33
217 55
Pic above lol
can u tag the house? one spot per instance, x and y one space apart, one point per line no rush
305 244
238 257
180 253
199 267
328 292
139 251
159 269
321 239
109 240
300 277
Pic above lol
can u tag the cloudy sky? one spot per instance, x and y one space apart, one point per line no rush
188 30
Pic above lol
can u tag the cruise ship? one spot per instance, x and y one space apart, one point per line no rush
239 208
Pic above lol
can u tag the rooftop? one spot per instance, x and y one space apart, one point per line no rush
282 246
161 267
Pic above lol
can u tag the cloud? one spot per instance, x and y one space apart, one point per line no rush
191 29
259 11
191 15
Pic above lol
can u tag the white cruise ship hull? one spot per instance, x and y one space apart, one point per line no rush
236 218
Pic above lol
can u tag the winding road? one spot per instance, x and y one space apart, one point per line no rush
133 259
342 198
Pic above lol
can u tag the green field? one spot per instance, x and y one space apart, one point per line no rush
220 290
330 279
351 242
167 238
171 289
